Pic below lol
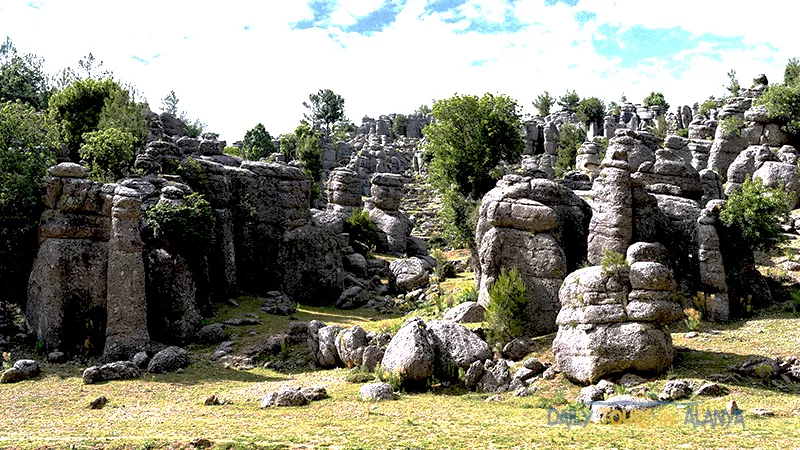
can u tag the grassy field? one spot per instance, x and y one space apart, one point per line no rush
167 411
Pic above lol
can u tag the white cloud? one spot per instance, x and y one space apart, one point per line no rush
232 78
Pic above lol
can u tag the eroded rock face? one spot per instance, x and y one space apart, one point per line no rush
612 320
517 228
405 275
455 345
394 227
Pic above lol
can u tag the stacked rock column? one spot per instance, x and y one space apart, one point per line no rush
126 329
712 269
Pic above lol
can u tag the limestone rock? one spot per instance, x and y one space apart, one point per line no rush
467 312
376 392
350 344
118 370
410 353
454 344
278 303
405 275
169 360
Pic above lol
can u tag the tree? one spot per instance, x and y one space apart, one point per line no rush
469 138
108 153
257 143
656 99
543 103
309 153
734 86
90 105
22 77
423 109
570 138
614 108
93 68
755 211
288 146
590 109
27 142
169 104
791 75
569 101
783 105
508 299
324 107
399 125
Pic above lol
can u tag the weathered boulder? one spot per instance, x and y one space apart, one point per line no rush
781 175
169 360
118 370
467 312
23 369
350 345
405 275
211 334
410 353
376 392
455 345
394 227
327 355
313 272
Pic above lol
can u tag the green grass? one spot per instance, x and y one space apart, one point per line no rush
167 411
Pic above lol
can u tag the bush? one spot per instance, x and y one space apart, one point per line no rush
508 299
189 226
257 143
755 211
459 219
108 154
612 262
570 138
732 126
590 109
707 106
444 268
783 104
363 233
469 294
656 99
399 125
27 138
232 150
683 132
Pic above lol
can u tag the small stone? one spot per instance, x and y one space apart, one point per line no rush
269 400
98 403
376 392
522 392
691 335
630 380
534 365
711 390
200 443
763 412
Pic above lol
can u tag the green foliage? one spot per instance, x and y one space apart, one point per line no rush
755 211
693 319
590 109
108 154
90 105
794 305
399 125
732 126
656 99
791 74
27 140
683 132
570 138
192 173
423 109
659 129
614 108
188 226
325 107
169 104
508 299
444 267
309 153
359 375
783 104
257 143
288 146
543 103
343 129
437 241
470 294
394 379
459 219
569 101
734 87
612 262
363 233
194 129
232 150
707 106
22 77
469 139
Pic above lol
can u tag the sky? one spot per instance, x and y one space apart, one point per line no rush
234 64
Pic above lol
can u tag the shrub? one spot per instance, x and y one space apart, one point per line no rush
189 226
693 318
683 132
612 262
590 109
399 125
257 143
732 126
444 268
108 154
363 233
359 375
570 139
232 150
783 105
27 138
508 299
754 211
656 99
707 106
459 219
469 294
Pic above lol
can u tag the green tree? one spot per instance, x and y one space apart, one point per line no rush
570 138
569 101
309 153
469 138
108 153
783 105
325 107
734 87
543 103
791 75
22 77
169 104
614 108
656 99
288 146
508 299
399 125
89 105
27 142
755 212
423 109
590 109
707 106
257 143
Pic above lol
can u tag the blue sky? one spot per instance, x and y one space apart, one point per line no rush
235 64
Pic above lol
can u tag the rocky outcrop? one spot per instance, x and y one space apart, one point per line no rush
393 225
517 228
